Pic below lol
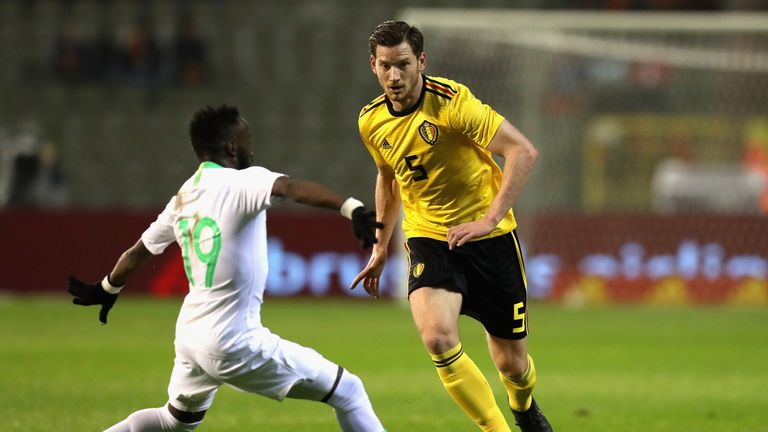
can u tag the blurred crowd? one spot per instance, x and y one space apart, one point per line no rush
120 69
30 169
135 57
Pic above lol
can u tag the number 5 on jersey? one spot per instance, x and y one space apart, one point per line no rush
194 235
419 172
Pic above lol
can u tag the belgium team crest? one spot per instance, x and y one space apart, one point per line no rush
417 270
428 132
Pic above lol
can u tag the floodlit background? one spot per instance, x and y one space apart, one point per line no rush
644 220
651 125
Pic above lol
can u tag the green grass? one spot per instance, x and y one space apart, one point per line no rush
600 369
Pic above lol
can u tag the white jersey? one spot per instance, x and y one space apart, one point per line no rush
218 219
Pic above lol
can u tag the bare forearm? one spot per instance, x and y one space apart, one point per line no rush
519 156
387 208
517 169
309 193
128 263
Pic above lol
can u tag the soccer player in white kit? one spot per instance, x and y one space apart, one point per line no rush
218 218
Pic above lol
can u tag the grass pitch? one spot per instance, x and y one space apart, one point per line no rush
600 369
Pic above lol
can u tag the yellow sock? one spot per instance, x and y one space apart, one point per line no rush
469 388
520 391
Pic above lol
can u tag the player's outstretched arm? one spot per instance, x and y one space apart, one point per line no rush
105 292
388 203
519 156
364 224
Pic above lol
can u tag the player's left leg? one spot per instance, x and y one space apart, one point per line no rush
287 369
515 369
501 306
518 374
346 394
162 419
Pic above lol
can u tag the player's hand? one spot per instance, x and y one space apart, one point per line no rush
371 274
88 294
465 232
364 226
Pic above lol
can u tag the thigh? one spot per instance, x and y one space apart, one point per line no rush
276 372
191 388
497 292
436 313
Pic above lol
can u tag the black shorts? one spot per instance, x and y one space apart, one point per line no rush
489 274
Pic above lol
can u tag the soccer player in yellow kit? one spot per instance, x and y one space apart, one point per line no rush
432 142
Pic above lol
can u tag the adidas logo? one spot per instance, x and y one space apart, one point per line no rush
385 145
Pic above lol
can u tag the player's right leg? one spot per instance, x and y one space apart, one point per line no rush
435 313
191 391
162 419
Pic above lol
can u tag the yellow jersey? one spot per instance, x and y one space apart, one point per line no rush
438 151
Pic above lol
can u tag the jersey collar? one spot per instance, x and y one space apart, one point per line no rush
204 165
209 164
415 106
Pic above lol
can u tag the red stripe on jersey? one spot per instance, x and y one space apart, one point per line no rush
440 88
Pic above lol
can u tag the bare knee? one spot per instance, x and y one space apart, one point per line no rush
510 356
512 365
439 340
436 312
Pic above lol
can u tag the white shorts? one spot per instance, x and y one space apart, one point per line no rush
197 376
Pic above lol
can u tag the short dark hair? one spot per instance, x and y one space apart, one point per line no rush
393 33
210 128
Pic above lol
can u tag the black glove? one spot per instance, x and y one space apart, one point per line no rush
364 226
87 294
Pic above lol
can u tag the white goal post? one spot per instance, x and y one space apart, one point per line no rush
657 115
562 32
575 80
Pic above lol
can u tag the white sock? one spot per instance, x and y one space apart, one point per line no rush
152 420
353 408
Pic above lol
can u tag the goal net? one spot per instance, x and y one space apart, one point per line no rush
652 181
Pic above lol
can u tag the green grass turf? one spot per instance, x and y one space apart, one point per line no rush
600 369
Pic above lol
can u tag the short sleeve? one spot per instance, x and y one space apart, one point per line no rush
372 150
160 233
472 118
255 189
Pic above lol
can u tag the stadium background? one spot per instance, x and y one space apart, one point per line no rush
96 97
644 223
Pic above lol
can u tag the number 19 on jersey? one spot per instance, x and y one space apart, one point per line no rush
195 236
